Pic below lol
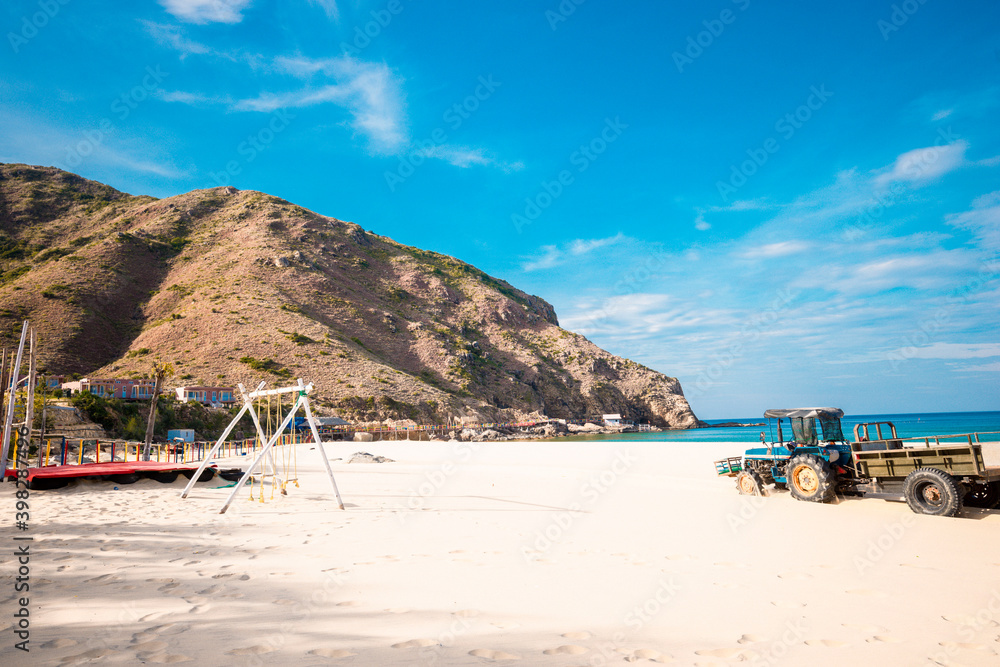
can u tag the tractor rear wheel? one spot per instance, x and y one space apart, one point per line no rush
932 491
810 478
749 483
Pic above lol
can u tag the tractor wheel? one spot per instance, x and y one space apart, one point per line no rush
986 496
749 483
932 491
810 478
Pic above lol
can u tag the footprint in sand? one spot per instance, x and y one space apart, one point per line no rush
964 645
168 629
751 639
155 616
332 653
490 654
965 619
93 654
398 610
577 635
828 643
251 650
149 647
416 643
650 654
199 609
284 602
566 649
62 642
884 639
349 603
211 590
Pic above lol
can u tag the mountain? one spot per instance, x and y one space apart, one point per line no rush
232 286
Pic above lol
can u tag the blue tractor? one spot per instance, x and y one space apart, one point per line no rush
808 454
802 454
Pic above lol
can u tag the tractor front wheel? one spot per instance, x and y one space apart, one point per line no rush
810 478
932 491
749 483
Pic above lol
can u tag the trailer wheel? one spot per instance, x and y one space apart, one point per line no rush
986 496
810 478
932 491
749 483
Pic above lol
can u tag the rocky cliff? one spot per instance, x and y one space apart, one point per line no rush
231 285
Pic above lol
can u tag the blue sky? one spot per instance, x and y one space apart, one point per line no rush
780 205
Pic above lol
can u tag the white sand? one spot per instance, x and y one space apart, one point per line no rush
558 553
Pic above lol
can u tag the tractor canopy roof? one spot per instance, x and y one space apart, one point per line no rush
806 413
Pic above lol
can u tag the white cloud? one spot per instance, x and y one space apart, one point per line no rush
984 368
459 156
952 351
206 11
74 149
700 223
941 115
925 164
584 246
780 249
328 6
171 35
553 256
933 270
983 220
465 156
194 98
744 205
369 91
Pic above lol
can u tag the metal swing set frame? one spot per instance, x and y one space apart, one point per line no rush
302 401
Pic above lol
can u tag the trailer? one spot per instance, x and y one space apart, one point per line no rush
808 454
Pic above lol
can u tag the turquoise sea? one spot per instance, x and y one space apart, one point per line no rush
907 426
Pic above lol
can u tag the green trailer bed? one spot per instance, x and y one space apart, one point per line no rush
896 462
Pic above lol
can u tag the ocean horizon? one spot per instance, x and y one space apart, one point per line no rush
908 425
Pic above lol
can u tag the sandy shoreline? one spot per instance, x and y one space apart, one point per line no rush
547 553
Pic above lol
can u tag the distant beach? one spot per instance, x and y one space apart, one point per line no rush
913 425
